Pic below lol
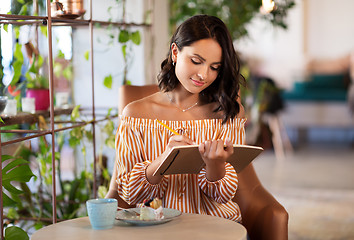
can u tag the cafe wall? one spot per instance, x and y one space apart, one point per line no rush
320 29
108 57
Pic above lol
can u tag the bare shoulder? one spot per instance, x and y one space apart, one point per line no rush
141 108
241 113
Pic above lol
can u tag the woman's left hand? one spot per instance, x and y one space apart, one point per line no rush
214 154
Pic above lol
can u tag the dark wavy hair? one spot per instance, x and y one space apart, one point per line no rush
224 90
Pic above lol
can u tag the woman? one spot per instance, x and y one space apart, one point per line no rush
199 83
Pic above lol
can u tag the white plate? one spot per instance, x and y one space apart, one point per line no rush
131 216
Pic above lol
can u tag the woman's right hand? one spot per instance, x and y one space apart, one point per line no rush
175 140
178 140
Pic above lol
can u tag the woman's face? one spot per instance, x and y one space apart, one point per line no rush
197 65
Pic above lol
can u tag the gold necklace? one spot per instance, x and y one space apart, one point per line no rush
183 110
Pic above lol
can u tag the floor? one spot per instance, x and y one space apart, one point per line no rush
315 184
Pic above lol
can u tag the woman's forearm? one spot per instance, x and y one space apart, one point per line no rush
215 172
151 168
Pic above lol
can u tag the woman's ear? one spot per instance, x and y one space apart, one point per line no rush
174 52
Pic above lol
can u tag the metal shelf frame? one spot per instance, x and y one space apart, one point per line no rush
51 22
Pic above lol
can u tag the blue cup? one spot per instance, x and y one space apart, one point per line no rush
102 212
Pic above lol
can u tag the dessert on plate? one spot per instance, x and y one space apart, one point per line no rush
152 209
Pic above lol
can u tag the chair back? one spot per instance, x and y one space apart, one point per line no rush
130 93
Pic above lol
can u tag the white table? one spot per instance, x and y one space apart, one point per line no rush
185 227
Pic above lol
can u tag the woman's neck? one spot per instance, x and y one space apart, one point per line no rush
182 98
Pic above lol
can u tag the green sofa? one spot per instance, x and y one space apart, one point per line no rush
320 88
320 102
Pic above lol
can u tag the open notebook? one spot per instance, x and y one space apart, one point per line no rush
187 159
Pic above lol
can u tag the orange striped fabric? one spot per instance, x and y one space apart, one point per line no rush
140 141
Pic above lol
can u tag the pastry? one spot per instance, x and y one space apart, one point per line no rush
152 209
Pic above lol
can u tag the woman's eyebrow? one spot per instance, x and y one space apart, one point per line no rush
196 54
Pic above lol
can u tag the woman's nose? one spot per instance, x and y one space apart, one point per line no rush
203 73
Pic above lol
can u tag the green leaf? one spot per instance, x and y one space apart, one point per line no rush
87 55
124 51
61 55
44 31
6 26
77 133
17 31
108 127
68 73
42 166
135 37
38 225
11 188
16 169
23 10
75 113
7 200
83 150
12 213
73 142
39 61
57 69
33 68
88 135
123 36
102 191
110 141
109 112
107 82
17 65
15 233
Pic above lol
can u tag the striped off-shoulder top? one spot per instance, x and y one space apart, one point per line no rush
139 141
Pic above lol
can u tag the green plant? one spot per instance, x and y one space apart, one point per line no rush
25 7
17 60
62 68
34 75
1 67
15 170
34 78
235 13
126 37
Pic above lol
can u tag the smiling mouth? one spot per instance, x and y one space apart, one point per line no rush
197 83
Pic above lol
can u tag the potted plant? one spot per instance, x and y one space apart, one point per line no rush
37 84
3 99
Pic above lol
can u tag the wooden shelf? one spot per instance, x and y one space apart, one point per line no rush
61 21
22 117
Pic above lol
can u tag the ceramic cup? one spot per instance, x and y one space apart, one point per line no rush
11 107
62 99
3 102
102 212
28 105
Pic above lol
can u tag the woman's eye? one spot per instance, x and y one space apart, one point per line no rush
215 68
195 61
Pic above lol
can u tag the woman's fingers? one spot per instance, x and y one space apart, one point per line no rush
229 146
202 148
216 148
177 140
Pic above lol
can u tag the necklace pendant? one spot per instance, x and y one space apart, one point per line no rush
183 110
